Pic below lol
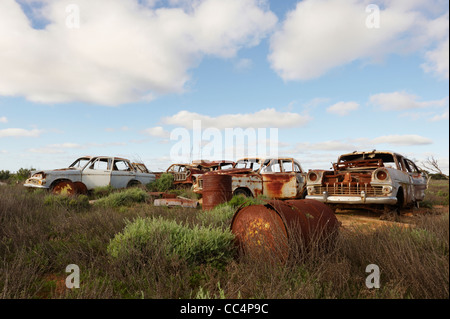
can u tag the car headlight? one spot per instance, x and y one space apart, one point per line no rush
387 190
313 176
381 175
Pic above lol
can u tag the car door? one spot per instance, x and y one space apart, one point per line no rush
97 173
278 183
122 173
418 180
301 179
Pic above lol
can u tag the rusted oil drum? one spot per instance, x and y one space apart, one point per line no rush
276 227
216 190
64 188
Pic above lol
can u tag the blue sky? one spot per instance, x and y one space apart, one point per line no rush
117 77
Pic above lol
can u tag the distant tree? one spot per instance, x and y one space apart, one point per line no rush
431 164
4 175
23 173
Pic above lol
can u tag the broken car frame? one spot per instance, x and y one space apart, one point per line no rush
89 172
376 179
278 178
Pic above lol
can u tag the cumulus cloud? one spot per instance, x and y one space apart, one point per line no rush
402 140
118 51
440 117
19 132
261 119
319 35
325 146
345 145
343 108
403 101
437 60
55 148
157 131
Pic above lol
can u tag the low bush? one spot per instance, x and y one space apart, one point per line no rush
162 184
219 216
197 245
80 202
123 198
241 200
23 173
4 175
101 191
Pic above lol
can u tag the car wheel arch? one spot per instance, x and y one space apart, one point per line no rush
243 191
134 183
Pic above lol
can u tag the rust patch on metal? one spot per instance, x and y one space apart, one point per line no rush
260 232
217 190
280 226
64 188
80 188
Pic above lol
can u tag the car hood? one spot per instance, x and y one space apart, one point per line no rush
61 171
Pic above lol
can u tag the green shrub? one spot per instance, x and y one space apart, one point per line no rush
123 198
77 203
23 173
4 175
102 191
239 200
162 184
197 245
219 216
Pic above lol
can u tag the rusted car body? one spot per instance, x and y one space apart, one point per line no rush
280 178
89 172
187 174
379 179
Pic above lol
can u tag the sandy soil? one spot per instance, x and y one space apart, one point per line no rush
352 219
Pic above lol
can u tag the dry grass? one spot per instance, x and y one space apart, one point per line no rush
38 240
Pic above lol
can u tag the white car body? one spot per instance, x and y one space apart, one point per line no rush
377 177
89 172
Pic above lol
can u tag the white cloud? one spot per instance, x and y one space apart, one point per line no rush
157 131
402 140
440 117
437 60
19 132
123 51
3 119
319 35
243 64
325 146
65 145
403 101
343 108
55 148
45 150
362 143
266 118
112 130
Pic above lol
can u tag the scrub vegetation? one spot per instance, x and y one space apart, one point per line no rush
127 248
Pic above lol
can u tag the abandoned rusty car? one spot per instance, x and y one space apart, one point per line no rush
372 180
89 172
185 175
279 178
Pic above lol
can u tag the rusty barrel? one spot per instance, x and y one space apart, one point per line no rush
276 227
216 190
